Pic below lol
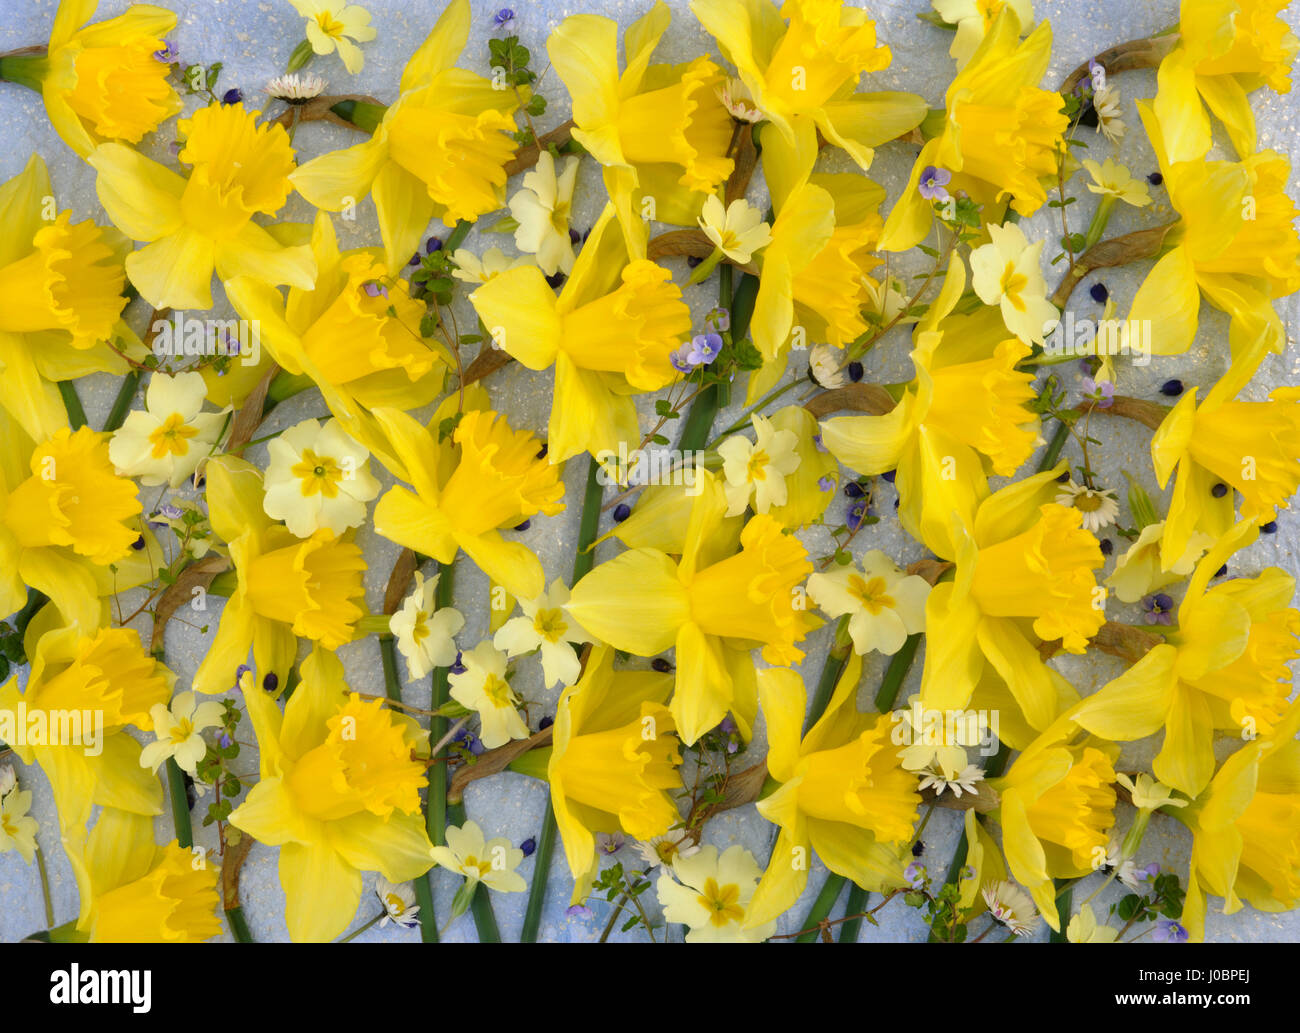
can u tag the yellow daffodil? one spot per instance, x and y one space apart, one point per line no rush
467 487
1139 571
285 586
1057 806
335 25
82 691
545 626
811 486
489 861
1025 573
660 132
61 296
643 602
542 210
610 334
1226 49
134 891
883 604
974 18
801 64
18 828
339 794
105 80
165 442
814 274
963 417
1219 447
1000 136
757 469
1007 273
1236 245
1246 831
984 868
440 149
843 792
613 763
318 477
484 688
193 226
424 630
1110 179
177 727
1226 667
710 893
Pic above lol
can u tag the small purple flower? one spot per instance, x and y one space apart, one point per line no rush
458 667
933 181
504 20
718 319
1103 394
681 359
825 484
1148 873
858 512
704 349
579 911
170 512
167 55
234 96
432 244
915 874
1158 608
1169 931
374 288
610 842
223 740
240 671
817 442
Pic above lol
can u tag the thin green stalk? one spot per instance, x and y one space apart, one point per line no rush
834 667
45 887
353 935
1053 453
122 404
1064 904
766 400
857 902
831 890
899 664
180 804
238 926
72 403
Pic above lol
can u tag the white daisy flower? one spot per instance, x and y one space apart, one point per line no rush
1100 508
1011 906
664 849
824 363
399 903
295 88
964 781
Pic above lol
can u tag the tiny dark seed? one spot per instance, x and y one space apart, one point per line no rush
1099 293
1269 528
1155 179
889 475
271 682
853 490
661 665
622 511
855 371
1219 490
1171 388
545 723
1107 546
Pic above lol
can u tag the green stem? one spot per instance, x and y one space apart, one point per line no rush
1099 220
1064 903
285 385
1053 453
831 890
25 69
360 114
899 664
72 403
180 804
835 664
238 926
743 421
45 887
856 903
122 404
354 935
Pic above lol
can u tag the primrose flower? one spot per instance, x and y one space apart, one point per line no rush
192 226
424 630
339 794
165 442
440 149
482 478
966 412
884 605
1110 179
1057 807
1024 575
318 477
489 861
482 687
102 81
709 606
614 761
737 230
711 893
546 626
758 469
1139 571
134 891
17 828
843 793
61 298
1007 273
285 587
542 210
1227 667
1000 135
973 19
177 727
108 674
803 76
609 297
472 269
336 25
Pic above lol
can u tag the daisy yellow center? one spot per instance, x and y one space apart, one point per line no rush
331 26
550 624
757 465
722 903
1088 502
394 904
497 690
182 730
872 594
172 437
1013 283
318 475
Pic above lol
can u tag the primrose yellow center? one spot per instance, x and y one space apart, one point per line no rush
8 825
550 624
989 10
172 436
498 691
421 630
317 475
757 466
722 903
475 868
873 594
1013 283
331 26
182 730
